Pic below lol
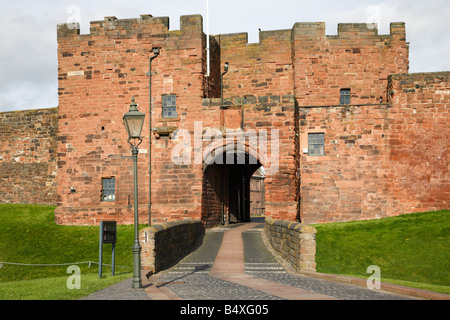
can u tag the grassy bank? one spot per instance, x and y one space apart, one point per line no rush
411 249
28 235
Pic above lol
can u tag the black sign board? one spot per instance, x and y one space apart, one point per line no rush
108 234
108 231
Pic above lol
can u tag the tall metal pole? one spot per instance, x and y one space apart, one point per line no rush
208 67
150 145
137 281
244 197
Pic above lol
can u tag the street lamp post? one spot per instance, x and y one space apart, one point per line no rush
134 121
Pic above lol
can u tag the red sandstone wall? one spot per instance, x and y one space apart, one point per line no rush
313 66
357 58
419 142
99 73
28 156
257 69
277 113
380 160
256 118
360 177
347 183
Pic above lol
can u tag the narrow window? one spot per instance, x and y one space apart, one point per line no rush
316 144
109 189
169 106
345 96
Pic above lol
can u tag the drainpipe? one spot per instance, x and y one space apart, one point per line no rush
222 169
221 83
222 178
208 66
156 53
244 197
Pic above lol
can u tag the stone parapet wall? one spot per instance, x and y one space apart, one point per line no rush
165 244
295 242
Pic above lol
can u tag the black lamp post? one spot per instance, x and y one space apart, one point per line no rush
134 121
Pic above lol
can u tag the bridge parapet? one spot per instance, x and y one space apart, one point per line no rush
295 242
163 245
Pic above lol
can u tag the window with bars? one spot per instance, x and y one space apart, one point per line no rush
316 144
169 106
108 189
345 96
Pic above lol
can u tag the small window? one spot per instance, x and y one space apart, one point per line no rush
109 189
345 96
316 144
169 106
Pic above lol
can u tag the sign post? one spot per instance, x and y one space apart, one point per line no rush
108 234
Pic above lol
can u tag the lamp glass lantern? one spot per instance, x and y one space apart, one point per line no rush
134 121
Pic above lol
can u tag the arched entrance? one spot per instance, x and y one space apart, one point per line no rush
226 186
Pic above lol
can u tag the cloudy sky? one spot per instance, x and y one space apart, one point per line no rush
28 55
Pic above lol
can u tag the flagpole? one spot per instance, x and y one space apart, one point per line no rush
207 40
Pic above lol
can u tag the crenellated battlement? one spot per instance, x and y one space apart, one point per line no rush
241 38
194 23
123 28
315 30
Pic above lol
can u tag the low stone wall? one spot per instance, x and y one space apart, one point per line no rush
165 244
295 242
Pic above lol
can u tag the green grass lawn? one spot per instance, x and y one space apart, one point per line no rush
29 235
411 249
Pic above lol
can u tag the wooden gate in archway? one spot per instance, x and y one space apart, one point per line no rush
257 203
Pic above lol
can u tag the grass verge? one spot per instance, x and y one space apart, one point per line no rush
411 249
29 235
55 288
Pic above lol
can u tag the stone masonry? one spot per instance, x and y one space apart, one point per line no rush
384 145
380 159
295 242
28 168
165 244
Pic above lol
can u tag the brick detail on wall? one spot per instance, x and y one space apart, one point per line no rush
380 160
418 139
99 73
28 156
356 58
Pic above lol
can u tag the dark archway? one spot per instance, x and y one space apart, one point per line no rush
226 188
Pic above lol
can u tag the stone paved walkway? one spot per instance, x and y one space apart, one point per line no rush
234 264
